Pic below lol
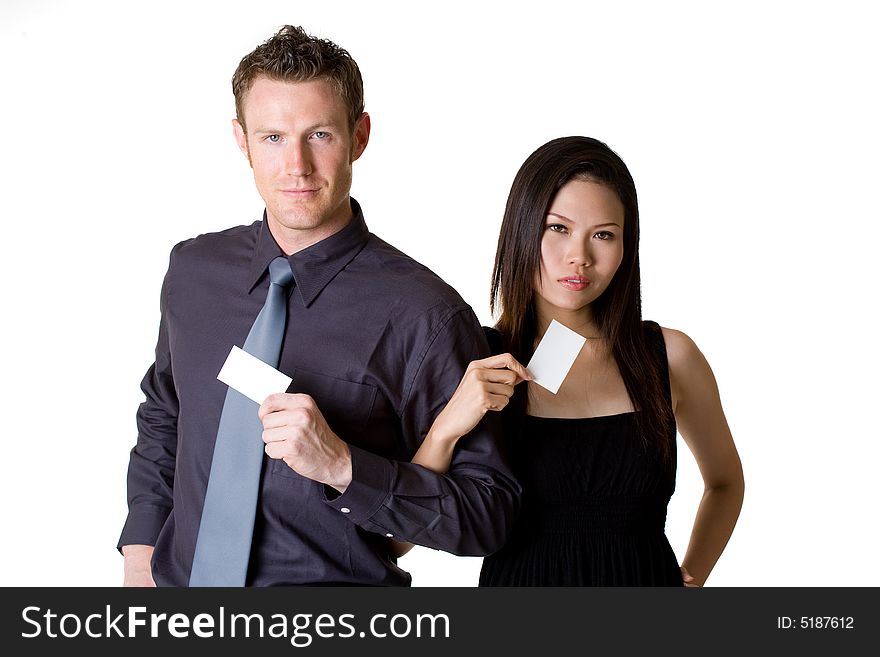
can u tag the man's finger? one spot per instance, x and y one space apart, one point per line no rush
275 435
274 450
277 419
284 401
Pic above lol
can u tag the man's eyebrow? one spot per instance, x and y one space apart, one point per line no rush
321 125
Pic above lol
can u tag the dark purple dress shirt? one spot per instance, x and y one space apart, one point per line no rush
380 342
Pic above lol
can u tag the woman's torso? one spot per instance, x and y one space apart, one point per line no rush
594 497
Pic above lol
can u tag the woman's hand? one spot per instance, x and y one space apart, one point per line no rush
688 579
487 385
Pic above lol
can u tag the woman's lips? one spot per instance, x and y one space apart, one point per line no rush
574 283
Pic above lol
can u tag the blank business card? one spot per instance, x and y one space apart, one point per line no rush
555 355
252 377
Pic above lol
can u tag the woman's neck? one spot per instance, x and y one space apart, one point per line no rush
580 321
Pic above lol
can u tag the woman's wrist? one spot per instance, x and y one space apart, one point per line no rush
442 437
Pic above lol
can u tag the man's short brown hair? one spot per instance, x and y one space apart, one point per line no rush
294 56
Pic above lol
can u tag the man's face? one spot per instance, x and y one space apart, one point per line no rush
301 150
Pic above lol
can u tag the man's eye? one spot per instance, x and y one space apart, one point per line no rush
320 134
274 139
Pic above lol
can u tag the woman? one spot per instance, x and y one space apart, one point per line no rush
597 459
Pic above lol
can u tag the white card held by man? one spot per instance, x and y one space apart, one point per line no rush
555 355
252 377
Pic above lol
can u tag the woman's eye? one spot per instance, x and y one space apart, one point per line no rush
557 228
605 235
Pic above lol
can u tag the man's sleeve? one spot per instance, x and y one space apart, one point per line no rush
153 458
468 511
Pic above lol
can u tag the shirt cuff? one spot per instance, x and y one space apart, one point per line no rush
143 525
371 480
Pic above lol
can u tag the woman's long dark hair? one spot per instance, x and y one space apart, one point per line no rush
617 312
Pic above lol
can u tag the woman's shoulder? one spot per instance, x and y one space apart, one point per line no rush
680 348
676 344
687 365
675 339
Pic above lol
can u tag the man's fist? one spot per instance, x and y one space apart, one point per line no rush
295 431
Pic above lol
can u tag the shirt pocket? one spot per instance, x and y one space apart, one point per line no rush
345 405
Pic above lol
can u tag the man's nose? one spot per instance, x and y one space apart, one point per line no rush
298 160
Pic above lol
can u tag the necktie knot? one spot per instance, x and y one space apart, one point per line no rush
280 272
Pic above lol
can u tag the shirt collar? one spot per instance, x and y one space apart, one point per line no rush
313 267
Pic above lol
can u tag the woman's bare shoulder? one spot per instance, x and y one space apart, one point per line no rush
687 365
680 348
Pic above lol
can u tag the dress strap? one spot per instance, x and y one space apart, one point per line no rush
496 342
654 337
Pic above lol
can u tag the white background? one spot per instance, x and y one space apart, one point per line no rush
752 134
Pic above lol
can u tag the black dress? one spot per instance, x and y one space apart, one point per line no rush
594 504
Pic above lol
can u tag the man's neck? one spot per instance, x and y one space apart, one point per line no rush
293 240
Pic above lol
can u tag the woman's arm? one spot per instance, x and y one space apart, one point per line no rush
702 424
487 385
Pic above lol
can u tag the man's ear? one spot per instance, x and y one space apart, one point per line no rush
240 138
361 136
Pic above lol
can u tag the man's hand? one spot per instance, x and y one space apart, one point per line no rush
137 565
295 431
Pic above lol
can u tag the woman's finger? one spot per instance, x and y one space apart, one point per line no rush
503 361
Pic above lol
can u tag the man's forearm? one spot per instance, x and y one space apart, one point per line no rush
469 511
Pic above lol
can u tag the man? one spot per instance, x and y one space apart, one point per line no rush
375 344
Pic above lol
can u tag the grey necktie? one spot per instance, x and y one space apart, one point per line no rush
224 542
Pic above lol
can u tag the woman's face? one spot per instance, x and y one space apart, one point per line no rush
581 249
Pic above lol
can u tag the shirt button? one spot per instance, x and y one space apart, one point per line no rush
345 509
389 535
